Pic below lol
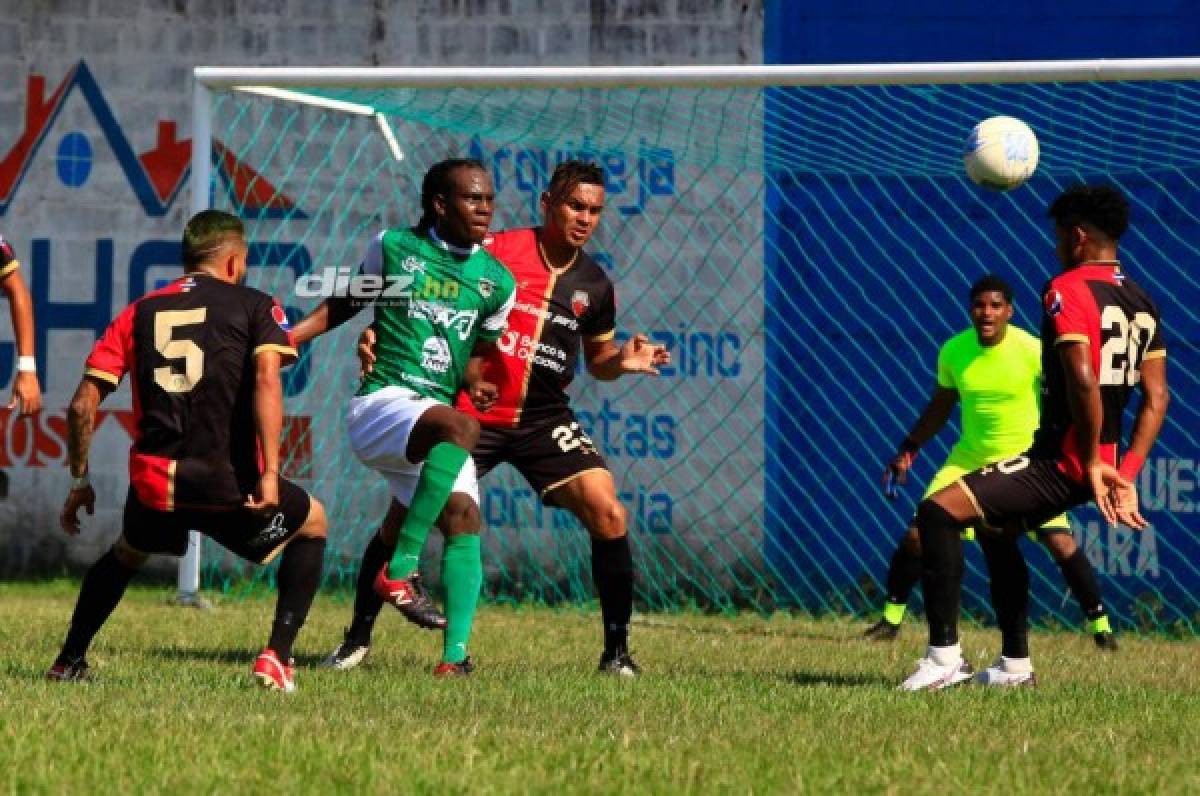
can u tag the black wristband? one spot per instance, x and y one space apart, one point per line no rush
909 446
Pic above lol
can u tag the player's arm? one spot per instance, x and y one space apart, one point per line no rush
483 393
931 420
607 361
268 426
1151 412
81 424
27 393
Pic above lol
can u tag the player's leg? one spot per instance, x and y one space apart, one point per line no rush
904 571
592 497
462 575
143 532
1080 578
1008 576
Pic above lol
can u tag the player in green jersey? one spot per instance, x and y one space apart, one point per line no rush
994 370
429 341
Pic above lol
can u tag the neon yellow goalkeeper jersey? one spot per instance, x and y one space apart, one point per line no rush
998 389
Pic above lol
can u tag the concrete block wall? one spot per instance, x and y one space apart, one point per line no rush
70 162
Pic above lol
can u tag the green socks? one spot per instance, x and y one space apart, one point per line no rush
441 468
462 576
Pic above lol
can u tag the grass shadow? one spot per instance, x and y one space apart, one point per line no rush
839 679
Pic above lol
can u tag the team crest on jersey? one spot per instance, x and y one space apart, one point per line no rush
580 302
1053 302
486 287
281 318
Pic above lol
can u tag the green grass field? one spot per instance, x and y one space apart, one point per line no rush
728 704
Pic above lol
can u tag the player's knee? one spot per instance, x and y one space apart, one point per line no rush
1060 545
463 432
316 524
128 556
460 516
607 519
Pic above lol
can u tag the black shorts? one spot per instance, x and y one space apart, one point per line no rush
547 453
1023 492
240 530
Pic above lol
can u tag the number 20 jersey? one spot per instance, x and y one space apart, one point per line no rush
1095 304
189 349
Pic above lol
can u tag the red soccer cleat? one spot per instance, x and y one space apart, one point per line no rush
460 669
272 674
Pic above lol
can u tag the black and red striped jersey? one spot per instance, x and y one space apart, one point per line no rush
534 360
189 349
1096 304
8 258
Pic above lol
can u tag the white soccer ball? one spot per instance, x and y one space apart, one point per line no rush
1001 153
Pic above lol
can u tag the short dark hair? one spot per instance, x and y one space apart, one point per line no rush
990 283
1100 206
569 174
206 232
437 181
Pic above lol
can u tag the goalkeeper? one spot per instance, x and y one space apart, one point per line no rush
995 370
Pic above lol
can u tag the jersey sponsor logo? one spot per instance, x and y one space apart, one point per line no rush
1053 302
280 318
579 302
524 347
412 265
435 355
449 318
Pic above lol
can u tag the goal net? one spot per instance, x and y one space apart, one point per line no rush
801 240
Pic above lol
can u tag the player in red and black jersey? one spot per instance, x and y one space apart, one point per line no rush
27 394
1100 338
203 355
565 303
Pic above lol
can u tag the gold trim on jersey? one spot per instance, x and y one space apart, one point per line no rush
285 350
171 485
103 375
1157 353
1071 338
537 335
600 338
10 268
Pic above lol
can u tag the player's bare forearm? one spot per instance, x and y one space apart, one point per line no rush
1083 398
81 423
329 314
934 416
603 360
268 407
1152 411
22 312
606 361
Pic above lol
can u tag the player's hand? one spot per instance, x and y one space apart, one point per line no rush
483 394
638 355
1116 496
896 474
27 395
265 500
366 351
77 498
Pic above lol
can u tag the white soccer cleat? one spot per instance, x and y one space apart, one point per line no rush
999 675
932 676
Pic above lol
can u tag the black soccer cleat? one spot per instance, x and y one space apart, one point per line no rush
1106 641
619 663
69 671
348 655
422 611
883 630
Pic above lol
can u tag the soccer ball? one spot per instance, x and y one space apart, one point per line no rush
1001 153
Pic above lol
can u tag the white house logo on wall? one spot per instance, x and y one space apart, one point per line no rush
579 302
155 175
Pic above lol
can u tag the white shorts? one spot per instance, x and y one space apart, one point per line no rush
379 426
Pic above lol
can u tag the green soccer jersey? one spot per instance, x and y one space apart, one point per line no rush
438 302
998 387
